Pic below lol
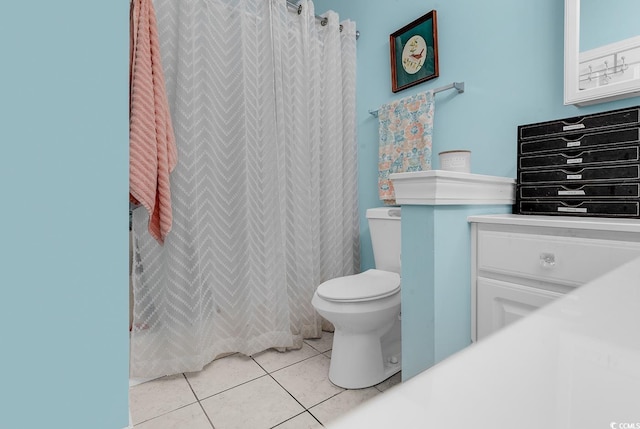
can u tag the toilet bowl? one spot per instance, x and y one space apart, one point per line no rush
366 342
365 310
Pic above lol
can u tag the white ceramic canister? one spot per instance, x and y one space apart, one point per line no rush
456 160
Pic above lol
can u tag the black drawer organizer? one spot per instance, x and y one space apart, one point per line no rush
581 166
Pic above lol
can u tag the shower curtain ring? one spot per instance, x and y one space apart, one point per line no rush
324 21
299 9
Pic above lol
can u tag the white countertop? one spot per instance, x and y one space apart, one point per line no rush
573 364
597 223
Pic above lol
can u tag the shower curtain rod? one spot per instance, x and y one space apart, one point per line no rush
323 20
459 86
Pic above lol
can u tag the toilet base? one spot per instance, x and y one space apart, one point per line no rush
364 360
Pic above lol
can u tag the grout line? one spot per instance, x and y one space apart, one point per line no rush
230 388
289 393
198 400
296 399
291 364
261 367
332 396
306 410
163 414
297 415
319 351
206 415
316 419
190 387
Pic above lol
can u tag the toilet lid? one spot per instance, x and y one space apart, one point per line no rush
372 284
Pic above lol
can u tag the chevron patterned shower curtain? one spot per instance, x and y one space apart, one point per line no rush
264 195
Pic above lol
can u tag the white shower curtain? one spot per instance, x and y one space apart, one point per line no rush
265 191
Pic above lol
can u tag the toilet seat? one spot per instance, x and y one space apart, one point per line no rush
370 285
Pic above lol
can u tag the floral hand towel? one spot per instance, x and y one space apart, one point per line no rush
405 131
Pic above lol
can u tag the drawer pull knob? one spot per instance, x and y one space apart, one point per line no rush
547 260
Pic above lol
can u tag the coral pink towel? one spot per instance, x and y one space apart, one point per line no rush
152 150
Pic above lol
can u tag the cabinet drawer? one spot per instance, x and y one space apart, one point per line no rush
501 303
611 208
614 118
582 192
565 260
581 140
575 157
569 175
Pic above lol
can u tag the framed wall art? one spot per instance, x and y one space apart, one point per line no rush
414 52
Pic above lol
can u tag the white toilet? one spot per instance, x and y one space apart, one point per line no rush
365 310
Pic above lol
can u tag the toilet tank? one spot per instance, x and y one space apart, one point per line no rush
384 227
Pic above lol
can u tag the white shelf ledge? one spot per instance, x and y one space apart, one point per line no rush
440 187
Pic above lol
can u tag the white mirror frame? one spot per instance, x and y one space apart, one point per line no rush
572 94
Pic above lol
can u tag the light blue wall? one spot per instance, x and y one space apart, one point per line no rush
509 53
436 293
63 183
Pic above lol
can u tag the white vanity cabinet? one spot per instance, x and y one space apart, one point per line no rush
520 263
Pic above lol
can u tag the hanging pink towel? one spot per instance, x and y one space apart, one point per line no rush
152 150
405 130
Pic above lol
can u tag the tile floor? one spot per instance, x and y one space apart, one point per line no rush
269 390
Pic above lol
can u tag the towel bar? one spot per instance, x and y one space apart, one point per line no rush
459 86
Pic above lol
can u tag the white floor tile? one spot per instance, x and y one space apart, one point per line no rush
223 374
302 421
191 417
258 404
308 381
157 397
322 344
342 403
272 360
257 401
